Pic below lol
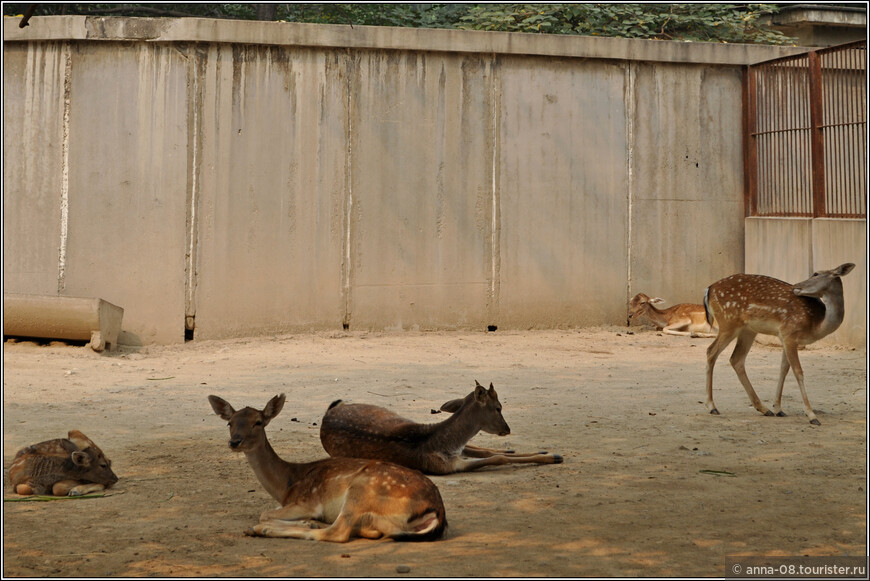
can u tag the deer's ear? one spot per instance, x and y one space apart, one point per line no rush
221 407
80 459
273 408
80 440
452 406
480 394
844 269
656 300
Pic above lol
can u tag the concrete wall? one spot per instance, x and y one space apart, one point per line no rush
244 178
791 249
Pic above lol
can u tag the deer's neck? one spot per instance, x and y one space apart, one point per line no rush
659 317
834 314
274 474
454 432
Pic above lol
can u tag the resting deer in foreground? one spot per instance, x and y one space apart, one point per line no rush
360 498
684 319
367 431
799 314
70 466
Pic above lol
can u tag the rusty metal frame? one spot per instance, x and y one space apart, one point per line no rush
804 134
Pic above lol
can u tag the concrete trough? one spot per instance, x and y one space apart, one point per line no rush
57 317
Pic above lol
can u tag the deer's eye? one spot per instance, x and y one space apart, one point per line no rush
258 423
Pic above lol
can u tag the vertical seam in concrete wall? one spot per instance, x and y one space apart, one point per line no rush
495 233
64 179
348 177
195 103
629 139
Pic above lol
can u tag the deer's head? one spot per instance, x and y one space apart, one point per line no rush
485 405
248 425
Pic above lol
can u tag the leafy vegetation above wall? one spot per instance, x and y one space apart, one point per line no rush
744 23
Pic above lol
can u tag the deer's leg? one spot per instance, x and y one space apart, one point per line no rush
738 362
713 351
675 329
478 452
783 371
468 464
83 489
24 489
791 352
74 488
291 512
338 532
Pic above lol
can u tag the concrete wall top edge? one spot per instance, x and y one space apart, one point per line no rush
43 28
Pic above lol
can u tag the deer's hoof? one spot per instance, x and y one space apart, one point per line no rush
250 532
714 412
780 414
815 422
769 414
557 459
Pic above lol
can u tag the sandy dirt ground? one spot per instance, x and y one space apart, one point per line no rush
652 485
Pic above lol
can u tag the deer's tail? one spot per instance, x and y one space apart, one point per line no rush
707 313
429 526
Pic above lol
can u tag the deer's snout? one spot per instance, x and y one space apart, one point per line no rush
235 442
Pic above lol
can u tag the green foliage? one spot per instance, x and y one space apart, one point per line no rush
687 22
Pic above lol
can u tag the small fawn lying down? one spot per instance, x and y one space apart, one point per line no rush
70 466
355 498
683 319
367 431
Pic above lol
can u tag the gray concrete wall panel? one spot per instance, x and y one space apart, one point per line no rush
421 190
835 242
687 196
562 193
33 176
272 189
127 184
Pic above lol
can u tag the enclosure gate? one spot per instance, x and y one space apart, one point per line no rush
805 134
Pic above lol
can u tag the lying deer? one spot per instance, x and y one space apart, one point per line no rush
799 314
70 466
683 319
356 498
367 431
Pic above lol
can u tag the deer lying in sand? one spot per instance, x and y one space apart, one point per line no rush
799 314
70 466
683 319
355 498
367 431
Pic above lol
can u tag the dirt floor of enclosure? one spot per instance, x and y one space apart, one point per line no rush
652 485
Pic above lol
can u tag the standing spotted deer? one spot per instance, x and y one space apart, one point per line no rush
683 319
747 304
70 466
355 498
367 431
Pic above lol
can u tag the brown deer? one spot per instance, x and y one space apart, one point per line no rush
367 431
683 319
799 314
355 498
70 466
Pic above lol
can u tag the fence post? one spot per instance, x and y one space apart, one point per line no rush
817 135
750 147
